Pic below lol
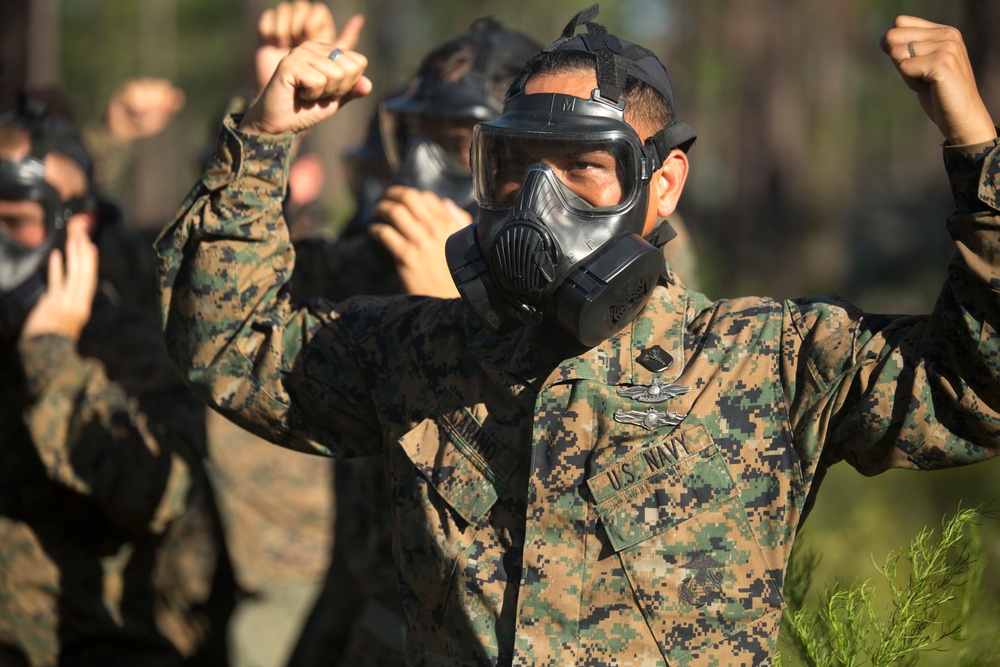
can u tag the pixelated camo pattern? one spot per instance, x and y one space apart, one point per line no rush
532 527
100 443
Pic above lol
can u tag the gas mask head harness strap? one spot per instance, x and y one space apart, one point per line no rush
563 187
23 268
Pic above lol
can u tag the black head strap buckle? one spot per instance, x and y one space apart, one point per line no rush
678 135
613 58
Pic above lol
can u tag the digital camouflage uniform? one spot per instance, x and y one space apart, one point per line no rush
370 632
278 511
195 572
100 460
532 526
335 270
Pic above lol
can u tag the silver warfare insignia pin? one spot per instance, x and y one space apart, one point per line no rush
650 419
655 392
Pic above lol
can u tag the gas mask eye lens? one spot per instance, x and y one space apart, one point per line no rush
595 176
596 172
23 223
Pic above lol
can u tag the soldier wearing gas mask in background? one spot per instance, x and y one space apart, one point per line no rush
425 133
102 444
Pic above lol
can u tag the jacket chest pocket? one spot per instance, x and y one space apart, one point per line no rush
461 473
673 514
450 535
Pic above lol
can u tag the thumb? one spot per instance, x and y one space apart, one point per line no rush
348 37
362 87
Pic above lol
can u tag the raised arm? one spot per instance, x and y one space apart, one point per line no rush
934 63
288 24
225 260
916 391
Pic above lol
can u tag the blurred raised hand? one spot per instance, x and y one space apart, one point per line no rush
142 107
413 225
288 25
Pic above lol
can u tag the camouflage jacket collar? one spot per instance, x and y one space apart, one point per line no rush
535 358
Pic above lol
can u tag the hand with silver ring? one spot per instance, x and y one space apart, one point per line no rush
336 53
934 63
289 24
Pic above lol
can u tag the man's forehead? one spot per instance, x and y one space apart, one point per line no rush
15 152
575 82
19 207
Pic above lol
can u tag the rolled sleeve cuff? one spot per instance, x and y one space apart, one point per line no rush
974 171
44 359
257 160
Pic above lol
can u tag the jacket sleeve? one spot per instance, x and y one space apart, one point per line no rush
923 392
290 375
94 438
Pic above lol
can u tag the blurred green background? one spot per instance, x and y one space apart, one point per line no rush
815 169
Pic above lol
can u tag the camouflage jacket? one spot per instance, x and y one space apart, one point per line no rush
100 448
276 506
357 265
545 514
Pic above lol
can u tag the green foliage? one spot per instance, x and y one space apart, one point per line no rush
936 603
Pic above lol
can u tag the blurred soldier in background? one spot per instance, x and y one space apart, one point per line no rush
102 448
277 507
138 109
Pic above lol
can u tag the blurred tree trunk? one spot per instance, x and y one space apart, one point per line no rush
982 17
44 39
158 187
13 50
762 220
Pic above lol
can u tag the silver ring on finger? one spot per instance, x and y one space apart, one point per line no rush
336 53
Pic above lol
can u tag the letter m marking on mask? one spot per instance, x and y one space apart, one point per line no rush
569 105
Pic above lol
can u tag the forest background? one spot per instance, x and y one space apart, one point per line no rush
815 169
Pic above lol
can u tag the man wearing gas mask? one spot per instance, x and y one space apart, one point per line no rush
100 439
589 463
425 132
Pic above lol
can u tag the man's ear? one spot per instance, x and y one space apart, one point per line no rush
668 182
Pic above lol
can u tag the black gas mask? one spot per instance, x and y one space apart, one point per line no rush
563 189
24 268
428 166
425 130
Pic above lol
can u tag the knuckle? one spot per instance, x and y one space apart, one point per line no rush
408 195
